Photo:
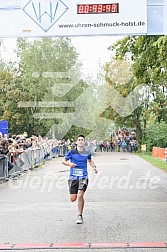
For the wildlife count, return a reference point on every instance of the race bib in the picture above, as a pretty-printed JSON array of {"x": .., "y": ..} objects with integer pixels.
[{"x": 77, "y": 172}]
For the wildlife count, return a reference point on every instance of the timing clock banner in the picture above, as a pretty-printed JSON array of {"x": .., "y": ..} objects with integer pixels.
[{"x": 33, "y": 18}]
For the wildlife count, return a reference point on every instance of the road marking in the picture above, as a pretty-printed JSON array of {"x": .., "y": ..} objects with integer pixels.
[
  {"x": 112, "y": 163},
  {"x": 82, "y": 245}
]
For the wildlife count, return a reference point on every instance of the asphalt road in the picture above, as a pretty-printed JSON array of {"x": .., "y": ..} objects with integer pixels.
[{"x": 125, "y": 202}]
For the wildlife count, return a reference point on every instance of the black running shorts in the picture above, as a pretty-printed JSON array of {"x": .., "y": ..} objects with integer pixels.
[{"x": 75, "y": 185}]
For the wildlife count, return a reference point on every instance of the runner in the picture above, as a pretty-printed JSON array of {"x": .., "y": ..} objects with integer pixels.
[{"x": 78, "y": 179}]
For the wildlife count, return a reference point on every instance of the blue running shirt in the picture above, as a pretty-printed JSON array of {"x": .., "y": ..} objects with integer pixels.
[{"x": 80, "y": 159}]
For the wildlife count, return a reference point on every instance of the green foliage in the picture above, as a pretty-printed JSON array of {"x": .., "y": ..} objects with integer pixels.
[
  {"x": 147, "y": 56},
  {"x": 35, "y": 80},
  {"x": 161, "y": 164},
  {"x": 28, "y": 83},
  {"x": 156, "y": 135}
]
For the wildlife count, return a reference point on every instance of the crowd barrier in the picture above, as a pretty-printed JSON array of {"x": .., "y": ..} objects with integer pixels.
[
  {"x": 27, "y": 160},
  {"x": 3, "y": 168},
  {"x": 62, "y": 150},
  {"x": 158, "y": 153},
  {"x": 14, "y": 165}
]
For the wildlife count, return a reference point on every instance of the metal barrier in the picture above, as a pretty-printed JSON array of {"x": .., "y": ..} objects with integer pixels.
[
  {"x": 25, "y": 159},
  {"x": 16, "y": 164},
  {"x": 49, "y": 153},
  {"x": 3, "y": 168},
  {"x": 62, "y": 150},
  {"x": 41, "y": 156},
  {"x": 37, "y": 157},
  {"x": 28, "y": 159}
]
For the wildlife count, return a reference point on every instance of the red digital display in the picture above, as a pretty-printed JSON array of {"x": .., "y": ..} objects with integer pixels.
[{"x": 97, "y": 8}]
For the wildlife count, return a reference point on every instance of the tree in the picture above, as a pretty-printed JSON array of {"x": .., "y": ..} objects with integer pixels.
[
  {"x": 156, "y": 135},
  {"x": 144, "y": 56},
  {"x": 38, "y": 60}
]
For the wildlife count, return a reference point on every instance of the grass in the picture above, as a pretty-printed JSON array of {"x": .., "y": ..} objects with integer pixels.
[{"x": 161, "y": 164}]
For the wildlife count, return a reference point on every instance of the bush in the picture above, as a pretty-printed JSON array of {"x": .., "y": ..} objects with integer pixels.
[{"x": 156, "y": 135}]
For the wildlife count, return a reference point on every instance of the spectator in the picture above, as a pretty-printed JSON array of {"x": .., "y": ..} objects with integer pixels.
[
  {"x": 119, "y": 143},
  {"x": 124, "y": 146},
  {"x": 3, "y": 153}
]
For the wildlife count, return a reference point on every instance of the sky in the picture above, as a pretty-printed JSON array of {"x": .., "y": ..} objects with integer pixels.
[{"x": 92, "y": 51}]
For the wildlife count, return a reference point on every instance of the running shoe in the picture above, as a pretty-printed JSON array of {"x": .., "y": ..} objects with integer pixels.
[{"x": 79, "y": 220}]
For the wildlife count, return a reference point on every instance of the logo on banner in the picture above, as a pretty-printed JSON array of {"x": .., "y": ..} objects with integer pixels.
[{"x": 45, "y": 13}]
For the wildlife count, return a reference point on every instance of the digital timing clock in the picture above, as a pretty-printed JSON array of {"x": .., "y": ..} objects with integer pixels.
[{"x": 97, "y": 8}]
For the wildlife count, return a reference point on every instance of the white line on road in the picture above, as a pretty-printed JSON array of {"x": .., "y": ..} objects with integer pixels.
[{"x": 112, "y": 164}]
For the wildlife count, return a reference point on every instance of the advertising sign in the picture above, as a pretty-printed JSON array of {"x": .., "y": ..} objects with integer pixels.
[
  {"x": 4, "y": 127},
  {"x": 40, "y": 18}
]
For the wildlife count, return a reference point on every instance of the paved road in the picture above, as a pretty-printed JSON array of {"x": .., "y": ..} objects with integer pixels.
[{"x": 125, "y": 202}]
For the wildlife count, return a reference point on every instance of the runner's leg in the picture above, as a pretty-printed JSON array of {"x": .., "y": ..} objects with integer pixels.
[
  {"x": 73, "y": 189},
  {"x": 73, "y": 197},
  {"x": 80, "y": 202}
]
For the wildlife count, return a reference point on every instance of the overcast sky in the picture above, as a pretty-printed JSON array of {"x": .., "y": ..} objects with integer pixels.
[{"x": 92, "y": 51}]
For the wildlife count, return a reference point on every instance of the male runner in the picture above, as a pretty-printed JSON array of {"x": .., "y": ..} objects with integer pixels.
[{"x": 78, "y": 179}]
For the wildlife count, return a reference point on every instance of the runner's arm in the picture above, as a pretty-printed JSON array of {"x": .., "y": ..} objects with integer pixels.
[
  {"x": 92, "y": 164},
  {"x": 67, "y": 163}
]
